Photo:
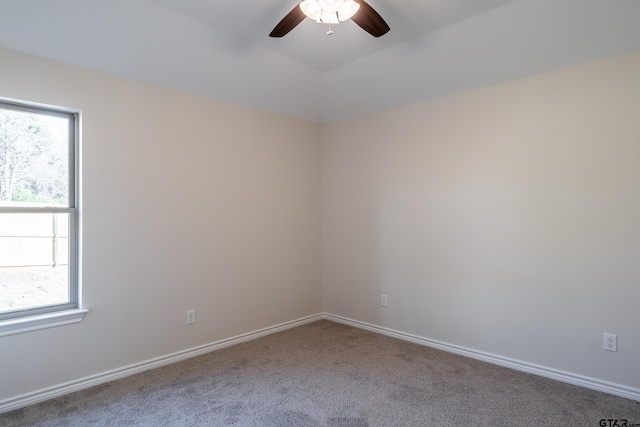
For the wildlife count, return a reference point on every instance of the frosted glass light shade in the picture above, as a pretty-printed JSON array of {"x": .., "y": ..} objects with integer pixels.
[
  {"x": 311, "y": 8},
  {"x": 347, "y": 11}
]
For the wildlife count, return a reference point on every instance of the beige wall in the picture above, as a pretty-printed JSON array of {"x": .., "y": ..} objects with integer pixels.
[
  {"x": 505, "y": 220},
  {"x": 187, "y": 203}
]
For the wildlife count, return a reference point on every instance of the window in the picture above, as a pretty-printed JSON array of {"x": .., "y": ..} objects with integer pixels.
[{"x": 38, "y": 217}]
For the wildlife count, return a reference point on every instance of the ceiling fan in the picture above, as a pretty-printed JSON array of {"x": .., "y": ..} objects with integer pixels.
[{"x": 333, "y": 12}]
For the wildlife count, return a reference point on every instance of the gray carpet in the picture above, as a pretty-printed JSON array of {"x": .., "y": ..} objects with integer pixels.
[{"x": 328, "y": 374}]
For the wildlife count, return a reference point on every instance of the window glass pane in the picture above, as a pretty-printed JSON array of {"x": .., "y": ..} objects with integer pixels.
[
  {"x": 38, "y": 259},
  {"x": 34, "y": 260},
  {"x": 34, "y": 159}
]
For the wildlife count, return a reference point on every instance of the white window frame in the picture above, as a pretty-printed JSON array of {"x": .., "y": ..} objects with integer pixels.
[{"x": 71, "y": 312}]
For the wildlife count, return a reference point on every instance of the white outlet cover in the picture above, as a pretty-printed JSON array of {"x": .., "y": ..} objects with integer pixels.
[
  {"x": 610, "y": 342},
  {"x": 191, "y": 317}
]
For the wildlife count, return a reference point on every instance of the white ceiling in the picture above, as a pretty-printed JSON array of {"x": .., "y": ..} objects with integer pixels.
[
  {"x": 250, "y": 22},
  {"x": 221, "y": 49}
]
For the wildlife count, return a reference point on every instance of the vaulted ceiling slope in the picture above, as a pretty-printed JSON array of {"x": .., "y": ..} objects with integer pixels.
[
  {"x": 251, "y": 21},
  {"x": 221, "y": 48}
]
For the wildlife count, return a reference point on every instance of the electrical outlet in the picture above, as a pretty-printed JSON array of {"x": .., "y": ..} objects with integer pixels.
[
  {"x": 191, "y": 317},
  {"x": 611, "y": 342},
  {"x": 383, "y": 300}
]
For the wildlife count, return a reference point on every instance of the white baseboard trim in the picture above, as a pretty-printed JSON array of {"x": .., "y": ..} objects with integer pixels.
[
  {"x": 93, "y": 380},
  {"x": 566, "y": 377},
  {"x": 83, "y": 383}
]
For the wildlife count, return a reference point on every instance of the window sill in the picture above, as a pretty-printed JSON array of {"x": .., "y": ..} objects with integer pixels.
[{"x": 41, "y": 321}]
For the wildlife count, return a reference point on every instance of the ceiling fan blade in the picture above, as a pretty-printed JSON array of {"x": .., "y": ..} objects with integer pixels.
[
  {"x": 289, "y": 22},
  {"x": 370, "y": 20}
]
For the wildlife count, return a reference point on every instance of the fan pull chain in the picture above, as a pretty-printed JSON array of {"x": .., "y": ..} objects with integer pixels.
[{"x": 330, "y": 32}]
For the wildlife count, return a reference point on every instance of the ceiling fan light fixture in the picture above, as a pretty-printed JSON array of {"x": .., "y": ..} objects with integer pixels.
[
  {"x": 333, "y": 12},
  {"x": 329, "y": 11}
]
